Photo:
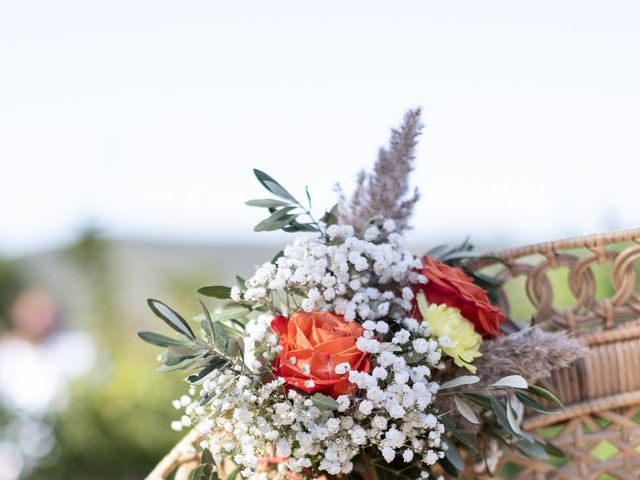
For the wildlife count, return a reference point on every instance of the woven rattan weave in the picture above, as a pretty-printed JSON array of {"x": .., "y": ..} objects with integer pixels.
[{"x": 600, "y": 429}]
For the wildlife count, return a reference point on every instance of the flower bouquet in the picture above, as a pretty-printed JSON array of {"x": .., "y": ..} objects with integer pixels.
[{"x": 346, "y": 355}]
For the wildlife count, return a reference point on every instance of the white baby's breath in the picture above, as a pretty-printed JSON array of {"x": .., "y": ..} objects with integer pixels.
[{"x": 389, "y": 407}]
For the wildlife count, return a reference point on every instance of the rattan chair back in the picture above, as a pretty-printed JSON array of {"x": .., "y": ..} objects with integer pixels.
[{"x": 587, "y": 286}]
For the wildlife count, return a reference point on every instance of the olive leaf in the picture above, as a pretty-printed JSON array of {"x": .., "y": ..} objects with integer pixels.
[
  {"x": 513, "y": 418},
  {"x": 546, "y": 394},
  {"x": 234, "y": 473},
  {"x": 267, "y": 203},
  {"x": 160, "y": 340},
  {"x": 461, "y": 437},
  {"x": 272, "y": 185},
  {"x": 529, "y": 402},
  {"x": 460, "y": 381},
  {"x": 512, "y": 381},
  {"x": 276, "y": 220},
  {"x": 502, "y": 417},
  {"x": 452, "y": 454},
  {"x": 171, "y": 318},
  {"x": 324, "y": 402},
  {"x": 465, "y": 409},
  {"x": 532, "y": 449},
  {"x": 215, "y": 291}
]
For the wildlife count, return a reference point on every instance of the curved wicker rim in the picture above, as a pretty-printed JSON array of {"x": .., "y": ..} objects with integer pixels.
[{"x": 591, "y": 242}]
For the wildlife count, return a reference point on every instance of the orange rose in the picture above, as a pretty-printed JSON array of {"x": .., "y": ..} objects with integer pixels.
[
  {"x": 451, "y": 286},
  {"x": 313, "y": 343}
]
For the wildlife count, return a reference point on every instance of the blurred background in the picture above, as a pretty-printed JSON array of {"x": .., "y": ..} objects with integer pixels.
[{"x": 128, "y": 131}]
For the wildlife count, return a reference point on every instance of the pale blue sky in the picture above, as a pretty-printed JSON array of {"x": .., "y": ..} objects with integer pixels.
[{"x": 146, "y": 117}]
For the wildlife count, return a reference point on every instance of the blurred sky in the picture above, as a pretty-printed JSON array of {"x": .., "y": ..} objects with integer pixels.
[{"x": 146, "y": 117}]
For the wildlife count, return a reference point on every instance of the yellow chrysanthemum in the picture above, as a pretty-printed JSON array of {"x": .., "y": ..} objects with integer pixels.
[{"x": 455, "y": 334}]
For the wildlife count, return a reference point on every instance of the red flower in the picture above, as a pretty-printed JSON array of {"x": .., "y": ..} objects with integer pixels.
[
  {"x": 451, "y": 286},
  {"x": 313, "y": 343}
]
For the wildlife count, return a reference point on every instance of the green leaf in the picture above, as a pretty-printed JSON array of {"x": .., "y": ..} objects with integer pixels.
[
  {"x": 280, "y": 224},
  {"x": 171, "y": 318},
  {"x": 216, "y": 291},
  {"x": 330, "y": 217},
  {"x": 295, "y": 226},
  {"x": 498, "y": 435},
  {"x": 483, "y": 401},
  {"x": 278, "y": 255},
  {"x": 182, "y": 365},
  {"x": 215, "y": 364},
  {"x": 276, "y": 220},
  {"x": 448, "y": 467},
  {"x": 531, "y": 449},
  {"x": 205, "y": 471},
  {"x": 460, "y": 256},
  {"x": 230, "y": 313},
  {"x": 176, "y": 354},
  {"x": 437, "y": 251},
  {"x": 241, "y": 282},
  {"x": 206, "y": 323},
  {"x": 546, "y": 394},
  {"x": 306, "y": 192},
  {"x": 198, "y": 473},
  {"x": 207, "y": 457},
  {"x": 465, "y": 409},
  {"x": 391, "y": 347},
  {"x": 462, "y": 438},
  {"x": 324, "y": 402},
  {"x": 460, "y": 381},
  {"x": 220, "y": 338},
  {"x": 274, "y": 187},
  {"x": 452, "y": 454},
  {"x": 160, "y": 340},
  {"x": 529, "y": 402},
  {"x": 234, "y": 473},
  {"x": 235, "y": 348},
  {"x": 512, "y": 381},
  {"x": 267, "y": 203},
  {"x": 501, "y": 415},
  {"x": 552, "y": 450},
  {"x": 513, "y": 418}
]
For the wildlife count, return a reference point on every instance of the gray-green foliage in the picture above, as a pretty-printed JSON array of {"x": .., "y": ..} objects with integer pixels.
[
  {"x": 219, "y": 345},
  {"x": 503, "y": 425},
  {"x": 286, "y": 212}
]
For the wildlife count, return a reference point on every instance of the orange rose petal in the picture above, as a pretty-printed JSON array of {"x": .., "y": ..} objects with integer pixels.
[
  {"x": 279, "y": 325},
  {"x": 335, "y": 345},
  {"x": 320, "y": 340}
]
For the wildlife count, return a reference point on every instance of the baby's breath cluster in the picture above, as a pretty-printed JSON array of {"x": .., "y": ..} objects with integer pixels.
[
  {"x": 389, "y": 408},
  {"x": 359, "y": 278},
  {"x": 390, "y": 411}
]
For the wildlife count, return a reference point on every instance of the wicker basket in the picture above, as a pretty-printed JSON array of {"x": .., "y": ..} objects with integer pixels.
[{"x": 600, "y": 429}]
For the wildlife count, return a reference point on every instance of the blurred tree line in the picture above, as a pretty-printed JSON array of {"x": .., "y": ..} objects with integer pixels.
[{"x": 115, "y": 424}]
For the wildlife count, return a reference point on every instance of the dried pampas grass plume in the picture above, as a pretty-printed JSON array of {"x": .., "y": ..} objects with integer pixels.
[
  {"x": 385, "y": 191},
  {"x": 531, "y": 353}
]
